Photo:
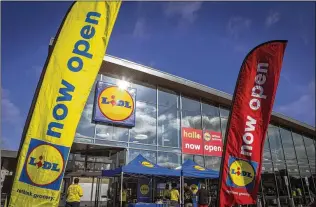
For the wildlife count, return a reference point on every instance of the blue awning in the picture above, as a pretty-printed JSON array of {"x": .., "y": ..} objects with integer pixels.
[
  {"x": 142, "y": 166},
  {"x": 191, "y": 169}
]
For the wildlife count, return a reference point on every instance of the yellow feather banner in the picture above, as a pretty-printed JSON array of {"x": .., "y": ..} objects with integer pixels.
[{"x": 66, "y": 81}]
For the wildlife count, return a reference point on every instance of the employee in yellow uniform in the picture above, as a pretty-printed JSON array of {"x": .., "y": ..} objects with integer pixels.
[
  {"x": 174, "y": 195},
  {"x": 124, "y": 196},
  {"x": 74, "y": 193}
]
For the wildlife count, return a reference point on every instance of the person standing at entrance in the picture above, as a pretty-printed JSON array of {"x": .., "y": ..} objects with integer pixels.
[
  {"x": 74, "y": 193},
  {"x": 203, "y": 196},
  {"x": 188, "y": 195},
  {"x": 174, "y": 194}
]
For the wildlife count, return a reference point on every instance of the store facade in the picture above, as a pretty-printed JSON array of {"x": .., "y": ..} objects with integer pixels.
[{"x": 176, "y": 119}]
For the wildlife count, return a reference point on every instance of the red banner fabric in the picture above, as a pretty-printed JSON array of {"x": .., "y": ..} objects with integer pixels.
[
  {"x": 248, "y": 122},
  {"x": 198, "y": 142}
]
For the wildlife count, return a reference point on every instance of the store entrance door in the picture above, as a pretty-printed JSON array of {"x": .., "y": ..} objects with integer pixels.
[{"x": 95, "y": 189}]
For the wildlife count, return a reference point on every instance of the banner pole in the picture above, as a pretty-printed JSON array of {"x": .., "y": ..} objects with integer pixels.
[
  {"x": 35, "y": 96},
  {"x": 121, "y": 190}
]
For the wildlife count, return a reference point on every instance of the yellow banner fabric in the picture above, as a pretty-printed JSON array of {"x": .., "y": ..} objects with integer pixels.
[{"x": 69, "y": 75}]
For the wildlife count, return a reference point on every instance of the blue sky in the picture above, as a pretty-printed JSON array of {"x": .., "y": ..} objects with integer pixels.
[{"x": 204, "y": 42}]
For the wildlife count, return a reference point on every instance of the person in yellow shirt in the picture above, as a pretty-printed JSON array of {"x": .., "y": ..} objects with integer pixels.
[
  {"x": 124, "y": 195},
  {"x": 74, "y": 193},
  {"x": 166, "y": 193},
  {"x": 174, "y": 195}
]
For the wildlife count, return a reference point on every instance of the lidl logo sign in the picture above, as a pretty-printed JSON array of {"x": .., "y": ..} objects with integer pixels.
[
  {"x": 207, "y": 136},
  {"x": 44, "y": 165},
  {"x": 199, "y": 168},
  {"x": 144, "y": 189},
  {"x": 114, "y": 105},
  {"x": 241, "y": 173},
  {"x": 147, "y": 164}
]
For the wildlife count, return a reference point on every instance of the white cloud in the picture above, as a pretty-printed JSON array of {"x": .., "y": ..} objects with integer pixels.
[
  {"x": 12, "y": 120},
  {"x": 302, "y": 108},
  {"x": 10, "y": 112},
  {"x": 272, "y": 18},
  {"x": 140, "y": 28},
  {"x": 237, "y": 26},
  {"x": 187, "y": 11}
]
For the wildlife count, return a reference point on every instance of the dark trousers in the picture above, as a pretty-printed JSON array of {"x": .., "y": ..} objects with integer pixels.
[{"x": 73, "y": 204}]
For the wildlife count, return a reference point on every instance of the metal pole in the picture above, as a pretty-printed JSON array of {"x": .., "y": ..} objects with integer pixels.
[
  {"x": 180, "y": 199},
  {"x": 121, "y": 190},
  {"x": 182, "y": 190}
]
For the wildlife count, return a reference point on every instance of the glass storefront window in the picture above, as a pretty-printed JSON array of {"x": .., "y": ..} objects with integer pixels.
[
  {"x": 275, "y": 144},
  {"x": 299, "y": 146},
  {"x": 145, "y": 127},
  {"x": 168, "y": 98},
  {"x": 145, "y": 93},
  {"x": 112, "y": 133},
  {"x": 213, "y": 163},
  {"x": 104, "y": 132},
  {"x": 189, "y": 104},
  {"x": 211, "y": 123},
  {"x": 287, "y": 144},
  {"x": 109, "y": 79},
  {"x": 310, "y": 148},
  {"x": 223, "y": 125},
  {"x": 210, "y": 110},
  {"x": 168, "y": 127},
  {"x": 196, "y": 158},
  {"x": 224, "y": 112},
  {"x": 292, "y": 166},
  {"x": 266, "y": 152},
  {"x": 169, "y": 159},
  {"x": 210, "y": 117},
  {"x": 150, "y": 155},
  {"x": 187, "y": 157},
  {"x": 85, "y": 127},
  {"x": 191, "y": 119}
]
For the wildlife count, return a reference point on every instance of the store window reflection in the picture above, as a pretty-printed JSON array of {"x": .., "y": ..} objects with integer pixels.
[
  {"x": 169, "y": 159},
  {"x": 168, "y": 127},
  {"x": 310, "y": 148},
  {"x": 108, "y": 79},
  {"x": 112, "y": 133},
  {"x": 149, "y": 155},
  {"x": 213, "y": 163},
  {"x": 196, "y": 158},
  {"x": 287, "y": 144},
  {"x": 210, "y": 117},
  {"x": 191, "y": 113},
  {"x": 275, "y": 144},
  {"x": 299, "y": 147},
  {"x": 145, "y": 93},
  {"x": 223, "y": 126},
  {"x": 168, "y": 98},
  {"x": 266, "y": 151},
  {"x": 224, "y": 112},
  {"x": 86, "y": 127},
  {"x": 145, "y": 127}
]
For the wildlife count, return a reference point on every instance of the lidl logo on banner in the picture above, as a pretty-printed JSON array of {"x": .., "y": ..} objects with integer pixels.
[
  {"x": 147, "y": 164},
  {"x": 242, "y": 173},
  {"x": 144, "y": 189},
  {"x": 115, "y": 105},
  {"x": 199, "y": 168},
  {"x": 44, "y": 164},
  {"x": 207, "y": 136}
]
